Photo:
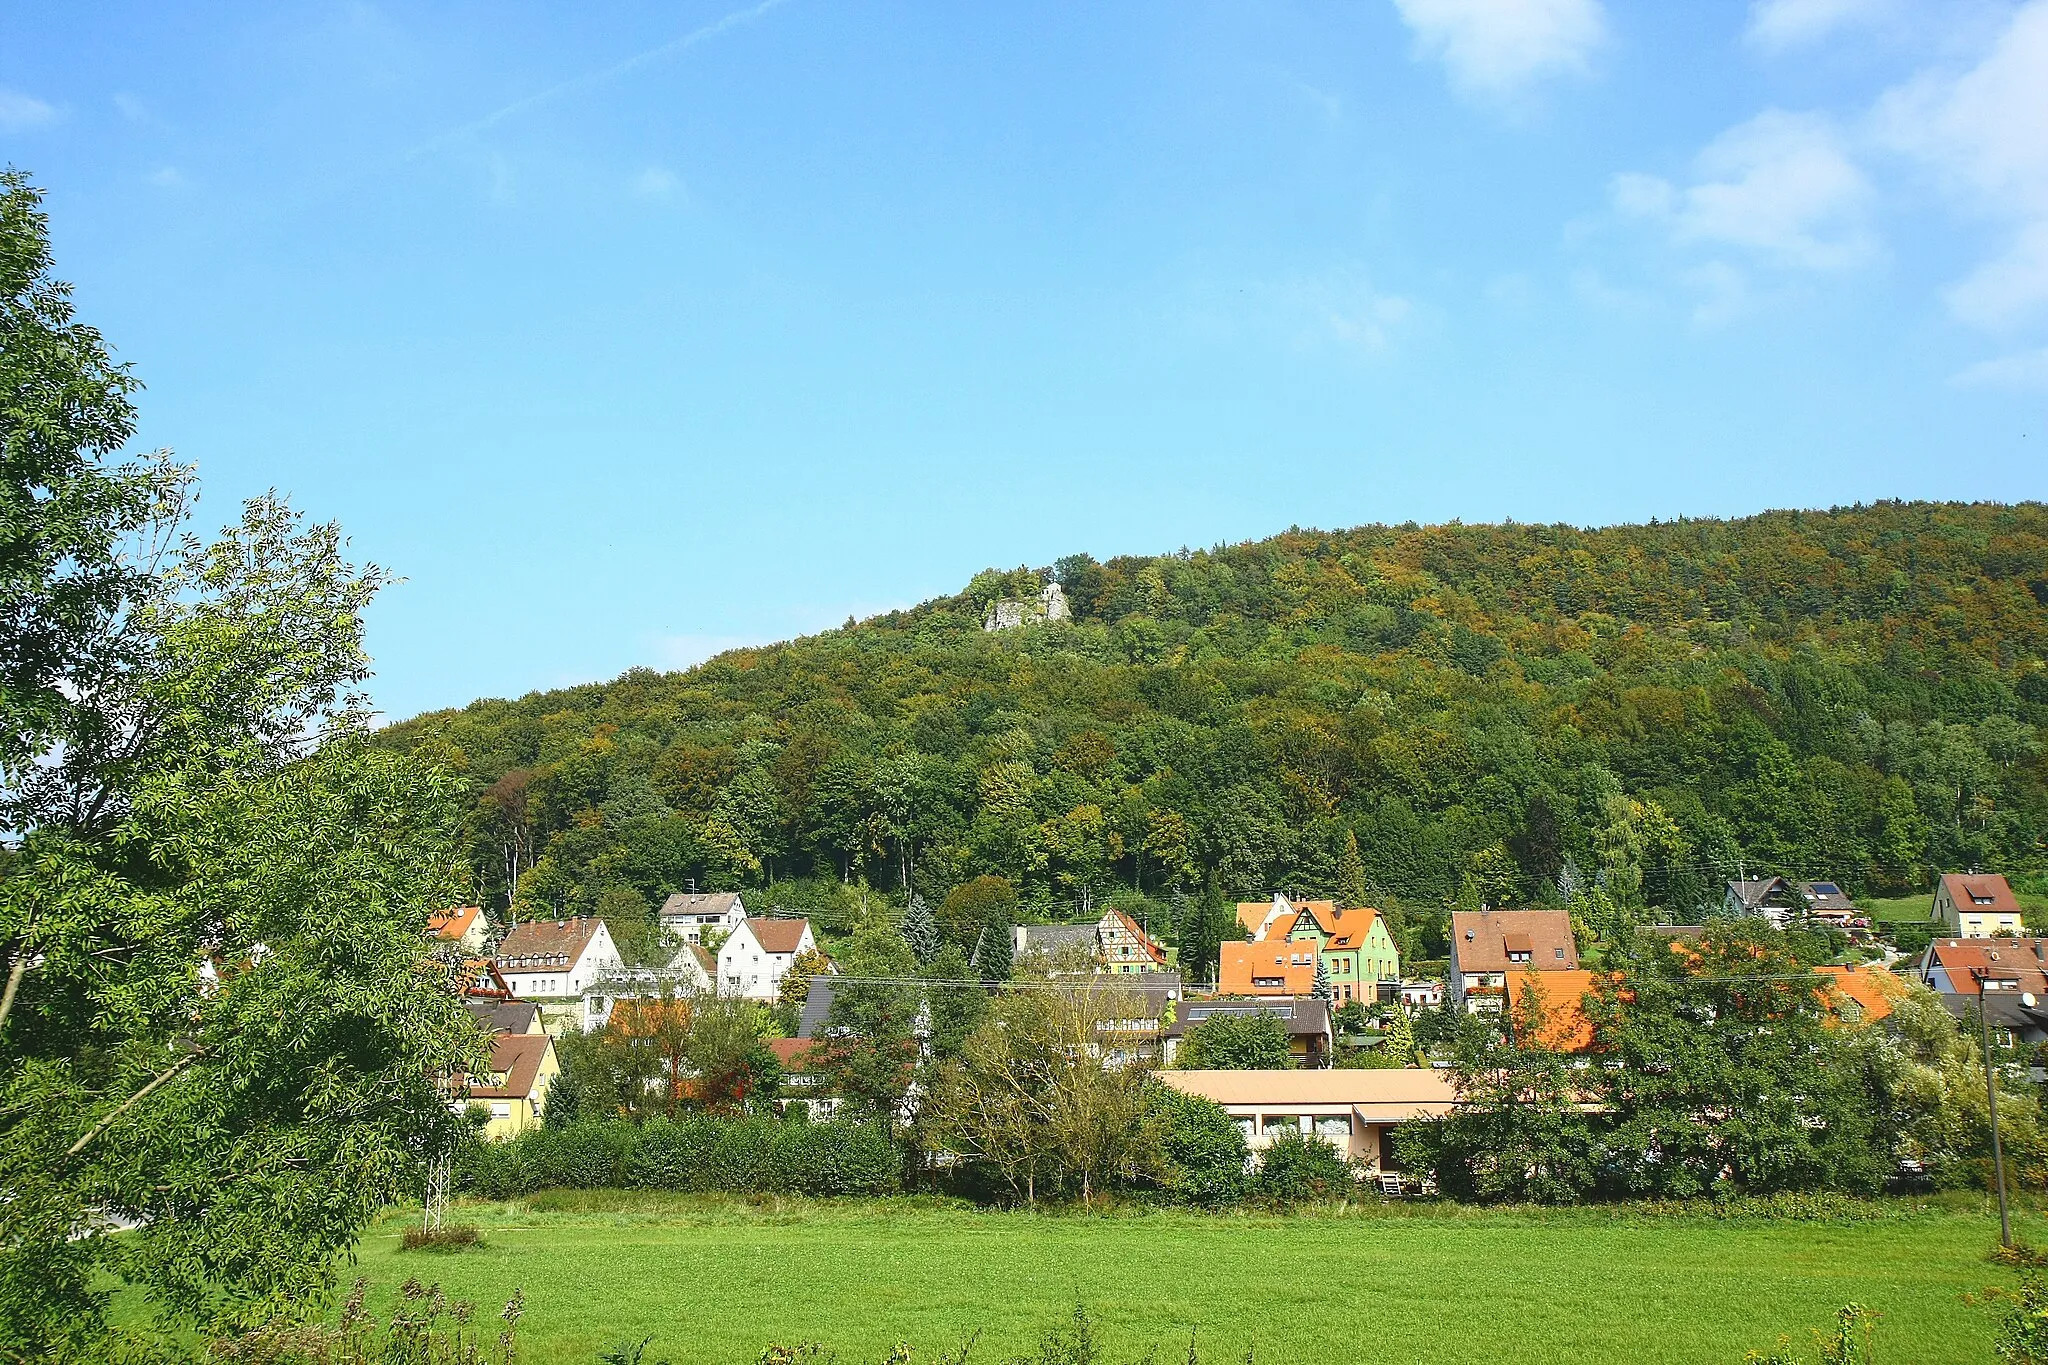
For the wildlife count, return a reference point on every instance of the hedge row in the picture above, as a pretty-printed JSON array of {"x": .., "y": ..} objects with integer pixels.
[{"x": 736, "y": 1156}]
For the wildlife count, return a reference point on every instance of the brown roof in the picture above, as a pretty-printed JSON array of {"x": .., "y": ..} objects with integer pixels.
[
  {"x": 2020, "y": 960},
  {"x": 1984, "y": 893},
  {"x": 453, "y": 924},
  {"x": 1242, "y": 965},
  {"x": 547, "y": 942},
  {"x": 516, "y": 1057},
  {"x": 506, "y": 1016},
  {"x": 1479, "y": 940},
  {"x": 778, "y": 935}
]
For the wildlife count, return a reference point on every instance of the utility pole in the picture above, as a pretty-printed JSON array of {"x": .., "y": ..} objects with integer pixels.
[{"x": 1991, "y": 1094}]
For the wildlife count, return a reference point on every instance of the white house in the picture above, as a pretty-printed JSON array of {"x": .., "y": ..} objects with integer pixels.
[
  {"x": 693, "y": 914},
  {"x": 690, "y": 972},
  {"x": 558, "y": 957},
  {"x": 754, "y": 960}
]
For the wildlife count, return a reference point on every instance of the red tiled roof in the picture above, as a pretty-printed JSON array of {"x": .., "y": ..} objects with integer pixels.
[
  {"x": 795, "y": 1054},
  {"x": 1965, "y": 889},
  {"x": 2020, "y": 960},
  {"x": 1873, "y": 988},
  {"x": 778, "y": 935}
]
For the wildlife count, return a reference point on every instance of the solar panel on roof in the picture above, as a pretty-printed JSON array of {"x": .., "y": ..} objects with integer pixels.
[{"x": 1827, "y": 888}]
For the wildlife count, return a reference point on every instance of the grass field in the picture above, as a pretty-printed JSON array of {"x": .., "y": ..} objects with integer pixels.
[{"x": 718, "y": 1280}]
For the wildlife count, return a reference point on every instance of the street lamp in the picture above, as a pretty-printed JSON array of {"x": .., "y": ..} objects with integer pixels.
[{"x": 1991, "y": 1093}]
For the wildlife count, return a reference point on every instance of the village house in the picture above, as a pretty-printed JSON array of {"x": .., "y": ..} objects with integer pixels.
[
  {"x": 1976, "y": 905},
  {"x": 803, "y": 1081},
  {"x": 465, "y": 927},
  {"x": 691, "y": 914},
  {"x": 1053, "y": 940},
  {"x": 1830, "y": 905},
  {"x": 1308, "y": 1021},
  {"x": 1488, "y": 946},
  {"x": 1126, "y": 948},
  {"x": 556, "y": 958},
  {"x": 1771, "y": 898},
  {"x": 1355, "y": 949},
  {"x": 1355, "y": 1111},
  {"x": 691, "y": 971},
  {"x": 753, "y": 961},
  {"x": 514, "y": 1093},
  {"x": 2007, "y": 977}
]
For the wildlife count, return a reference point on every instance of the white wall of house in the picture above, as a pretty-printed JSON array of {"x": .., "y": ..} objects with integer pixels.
[
  {"x": 600, "y": 955},
  {"x": 692, "y": 928},
  {"x": 748, "y": 970}
]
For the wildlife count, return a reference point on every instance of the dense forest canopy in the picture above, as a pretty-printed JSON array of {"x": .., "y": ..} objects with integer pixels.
[{"x": 1409, "y": 716}]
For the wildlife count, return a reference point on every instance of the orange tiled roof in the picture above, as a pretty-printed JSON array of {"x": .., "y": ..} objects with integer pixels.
[
  {"x": 453, "y": 924},
  {"x": 1562, "y": 995},
  {"x": 1875, "y": 989},
  {"x": 1243, "y": 965},
  {"x": 1351, "y": 927}
]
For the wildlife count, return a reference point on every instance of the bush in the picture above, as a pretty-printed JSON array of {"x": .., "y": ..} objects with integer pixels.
[
  {"x": 754, "y": 1155},
  {"x": 1297, "y": 1169},
  {"x": 449, "y": 1237},
  {"x": 1206, "y": 1156}
]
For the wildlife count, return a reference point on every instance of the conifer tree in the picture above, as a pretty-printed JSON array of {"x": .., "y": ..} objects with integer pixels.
[
  {"x": 1351, "y": 871},
  {"x": 921, "y": 930},
  {"x": 1321, "y": 990}
]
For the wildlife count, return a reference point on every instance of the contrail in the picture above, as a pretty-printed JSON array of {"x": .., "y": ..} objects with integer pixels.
[{"x": 584, "y": 82}]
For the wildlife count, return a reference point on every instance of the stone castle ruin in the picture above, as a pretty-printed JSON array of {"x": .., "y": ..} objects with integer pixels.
[{"x": 1008, "y": 613}]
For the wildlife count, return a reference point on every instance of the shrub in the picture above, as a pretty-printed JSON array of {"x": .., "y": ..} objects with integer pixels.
[
  {"x": 1296, "y": 1169},
  {"x": 448, "y": 1237},
  {"x": 1206, "y": 1156}
]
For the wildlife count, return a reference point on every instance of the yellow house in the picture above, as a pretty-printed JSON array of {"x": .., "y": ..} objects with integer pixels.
[{"x": 523, "y": 1066}]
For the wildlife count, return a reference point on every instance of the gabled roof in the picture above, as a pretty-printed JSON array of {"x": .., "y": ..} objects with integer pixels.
[
  {"x": 1130, "y": 926},
  {"x": 1562, "y": 996},
  {"x": 2023, "y": 961},
  {"x": 704, "y": 903},
  {"x": 1875, "y": 991},
  {"x": 1981, "y": 893},
  {"x": 516, "y": 1057},
  {"x": 1758, "y": 891},
  {"x": 1242, "y": 965},
  {"x": 1051, "y": 938},
  {"x": 817, "y": 1009},
  {"x": 1826, "y": 898},
  {"x": 795, "y": 1054},
  {"x": 1479, "y": 940},
  {"x": 453, "y": 924},
  {"x": 778, "y": 935},
  {"x": 505, "y": 1016},
  {"x": 1350, "y": 928},
  {"x": 541, "y": 944}
]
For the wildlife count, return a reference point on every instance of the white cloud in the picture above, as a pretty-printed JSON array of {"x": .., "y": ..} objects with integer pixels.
[
  {"x": 19, "y": 111},
  {"x": 2024, "y": 370},
  {"x": 1985, "y": 132},
  {"x": 655, "y": 182},
  {"x": 1498, "y": 48},
  {"x": 1780, "y": 186},
  {"x": 1777, "y": 25},
  {"x": 131, "y": 108},
  {"x": 165, "y": 177},
  {"x": 1340, "y": 307}
]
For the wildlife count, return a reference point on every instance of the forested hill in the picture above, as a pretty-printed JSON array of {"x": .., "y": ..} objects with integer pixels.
[{"x": 1508, "y": 713}]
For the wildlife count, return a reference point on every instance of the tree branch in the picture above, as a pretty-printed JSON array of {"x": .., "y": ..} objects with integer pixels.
[
  {"x": 125, "y": 1105},
  {"x": 14, "y": 975}
]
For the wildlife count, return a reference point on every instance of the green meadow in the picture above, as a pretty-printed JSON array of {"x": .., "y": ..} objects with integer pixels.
[{"x": 719, "y": 1280}]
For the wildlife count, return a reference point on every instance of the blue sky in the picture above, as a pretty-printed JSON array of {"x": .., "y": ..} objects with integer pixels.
[{"x": 630, "y": 332}]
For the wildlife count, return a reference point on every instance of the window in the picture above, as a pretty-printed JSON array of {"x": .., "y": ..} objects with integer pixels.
[
  {"x": 1334, "y": 1126},
  {"x": 501, "y": 1109}
]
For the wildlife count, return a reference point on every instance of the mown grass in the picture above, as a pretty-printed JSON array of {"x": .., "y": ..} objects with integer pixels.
[{"x": 717, "y": 1279}]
